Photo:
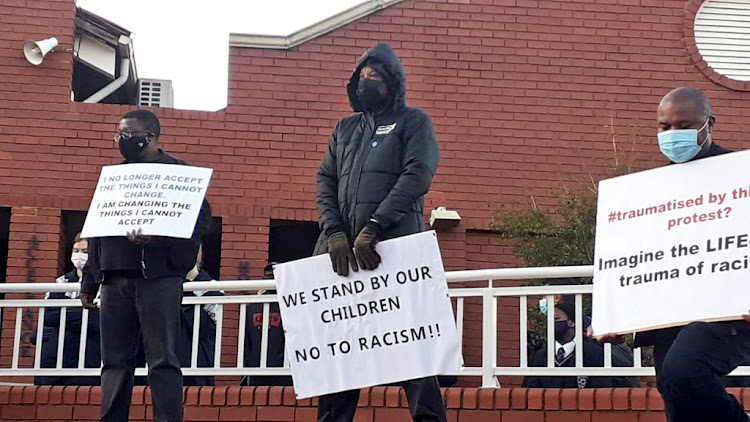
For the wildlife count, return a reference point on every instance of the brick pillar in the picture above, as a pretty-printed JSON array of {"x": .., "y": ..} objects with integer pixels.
[{"x": 32, "y": 257}]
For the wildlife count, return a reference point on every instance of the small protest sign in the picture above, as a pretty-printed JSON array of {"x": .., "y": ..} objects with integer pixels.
[
  {"x": 159, "y": 199},
  {"x": 672, "y": 246},
  {"x": 391, "y": 324}
]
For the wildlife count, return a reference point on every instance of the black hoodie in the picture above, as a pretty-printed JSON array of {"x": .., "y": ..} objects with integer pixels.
[{"x": 377, "y": 165}]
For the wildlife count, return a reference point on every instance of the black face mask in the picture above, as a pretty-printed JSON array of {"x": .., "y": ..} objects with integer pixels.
[
  {"x": 561, "y": 330},
  {"x": 371, "y": 94},
  {"x": 132, "y": 147}
]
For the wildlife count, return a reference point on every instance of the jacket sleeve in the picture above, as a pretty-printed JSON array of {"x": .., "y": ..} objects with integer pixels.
[
  {"x": 327, "y": 192},
  {"x": 420, "y": 161},
  {"x": 91, "y": 270}
]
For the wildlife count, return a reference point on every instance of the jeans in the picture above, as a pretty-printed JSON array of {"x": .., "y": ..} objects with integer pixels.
[{"x": 151, "y": 307}]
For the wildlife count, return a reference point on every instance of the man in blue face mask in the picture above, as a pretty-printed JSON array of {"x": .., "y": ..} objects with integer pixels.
[
  {"x": 685, "y": 124},
  {"x": 691, "y": 360}
]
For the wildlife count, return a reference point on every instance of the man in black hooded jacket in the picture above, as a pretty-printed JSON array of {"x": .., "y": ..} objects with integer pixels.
[{"x": 371, "y": 185}]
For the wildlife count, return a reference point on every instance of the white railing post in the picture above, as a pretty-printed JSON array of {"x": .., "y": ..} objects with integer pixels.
[
  {"x": 82, "y": 339},
  {"x": 197, "y": 309},
  {"x": 39, "y": 339},
  {"x": 219, "y": 335},
  {"x": 551, "y": 331},
  {"x": 61, "y": 337},
  {"x": 264, "y": 336},
  {"x": 460, "y": 322},
  {"x": 489, "y": 339},
  {"x": 523, "y": 317},
  {"x": 241, "y": 336},
  {"x": 579, "y": 331},
  {"x": 17, "y": 338}
]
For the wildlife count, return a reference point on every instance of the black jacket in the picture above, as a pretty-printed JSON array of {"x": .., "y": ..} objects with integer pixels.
[
  {"x": 667, "y": 335},
  {"x": 276, "y": 342},
  {"x": 254, "y": 336},
  {"x": 161, "y": 257},
  {"x": 378, "y": 166}
]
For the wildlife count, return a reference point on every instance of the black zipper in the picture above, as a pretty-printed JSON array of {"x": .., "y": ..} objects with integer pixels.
[
  {"x": 143, "y": 261},
  {"x": 359, "y": 173}
]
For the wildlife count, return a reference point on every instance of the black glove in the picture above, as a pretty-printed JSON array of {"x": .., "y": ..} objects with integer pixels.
[
  {"x": 364, "y": 246},
  {"x": 87, "y": 301},
  {"x": 341, "y": 254}
]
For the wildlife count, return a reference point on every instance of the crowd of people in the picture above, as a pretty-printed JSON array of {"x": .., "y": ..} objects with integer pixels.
[{"x": 371, "y": 183}]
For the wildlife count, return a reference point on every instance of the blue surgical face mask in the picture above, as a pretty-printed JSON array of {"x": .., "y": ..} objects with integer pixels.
[
  {"x": 543, "y": 305},
  {"x": 681, "y": 145}
]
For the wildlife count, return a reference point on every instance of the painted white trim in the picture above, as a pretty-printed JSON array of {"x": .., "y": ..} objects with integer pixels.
[
  {"x": 722, "y": 29},
  {"x": 280, "y": 42}
]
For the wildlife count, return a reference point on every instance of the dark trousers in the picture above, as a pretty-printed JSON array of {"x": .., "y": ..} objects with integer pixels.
[
  {"x": 689, "y": 371},
  {"x": 423, "y": 394},
  {"x": 151, "y": 307}
]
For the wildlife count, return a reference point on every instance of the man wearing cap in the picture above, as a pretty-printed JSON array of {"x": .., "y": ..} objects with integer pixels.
[{"x": 371, "y": 185}]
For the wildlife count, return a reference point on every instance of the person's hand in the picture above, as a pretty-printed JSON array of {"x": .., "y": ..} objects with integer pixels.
[
  {"x": 87, "y": 301},
  {"x": 138, "y": 237},
  {"x": 605, "y": 338},
  {"x": 340, "y": 252},
  {"x": 364, "y": 247}
]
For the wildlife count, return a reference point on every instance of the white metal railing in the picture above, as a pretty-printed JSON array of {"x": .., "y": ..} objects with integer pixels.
[{"x": 488, "y": 295}]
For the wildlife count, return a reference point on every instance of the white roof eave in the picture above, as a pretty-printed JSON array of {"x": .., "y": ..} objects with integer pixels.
[{"x": 337, "y": 21}]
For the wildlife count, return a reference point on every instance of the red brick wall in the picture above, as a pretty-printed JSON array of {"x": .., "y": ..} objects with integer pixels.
[
  {"x": 264, "y": 404},
  {"x": 525, "y": 96}
]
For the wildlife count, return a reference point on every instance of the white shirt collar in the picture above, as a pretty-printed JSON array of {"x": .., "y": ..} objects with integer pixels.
[{"x": 568, "y": 347}]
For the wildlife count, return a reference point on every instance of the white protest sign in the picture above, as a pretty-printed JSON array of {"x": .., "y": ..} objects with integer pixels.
[
  {"x": 394, "y": 323},
  {"x": 160, "y": 199},
  {"x": 672, "y": 246}
]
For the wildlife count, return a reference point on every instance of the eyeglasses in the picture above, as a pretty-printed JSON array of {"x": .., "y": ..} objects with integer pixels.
[{"x": 127, "y": 135}]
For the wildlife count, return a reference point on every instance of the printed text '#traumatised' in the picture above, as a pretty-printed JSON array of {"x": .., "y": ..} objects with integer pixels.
[{"x": 723, "y": 212}]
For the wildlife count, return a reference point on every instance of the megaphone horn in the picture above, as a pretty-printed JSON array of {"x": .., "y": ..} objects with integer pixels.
[{"x": 36, "y": 50}]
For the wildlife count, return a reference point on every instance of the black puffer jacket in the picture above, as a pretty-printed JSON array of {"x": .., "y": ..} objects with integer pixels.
[{"x": 377, "y": 166}]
